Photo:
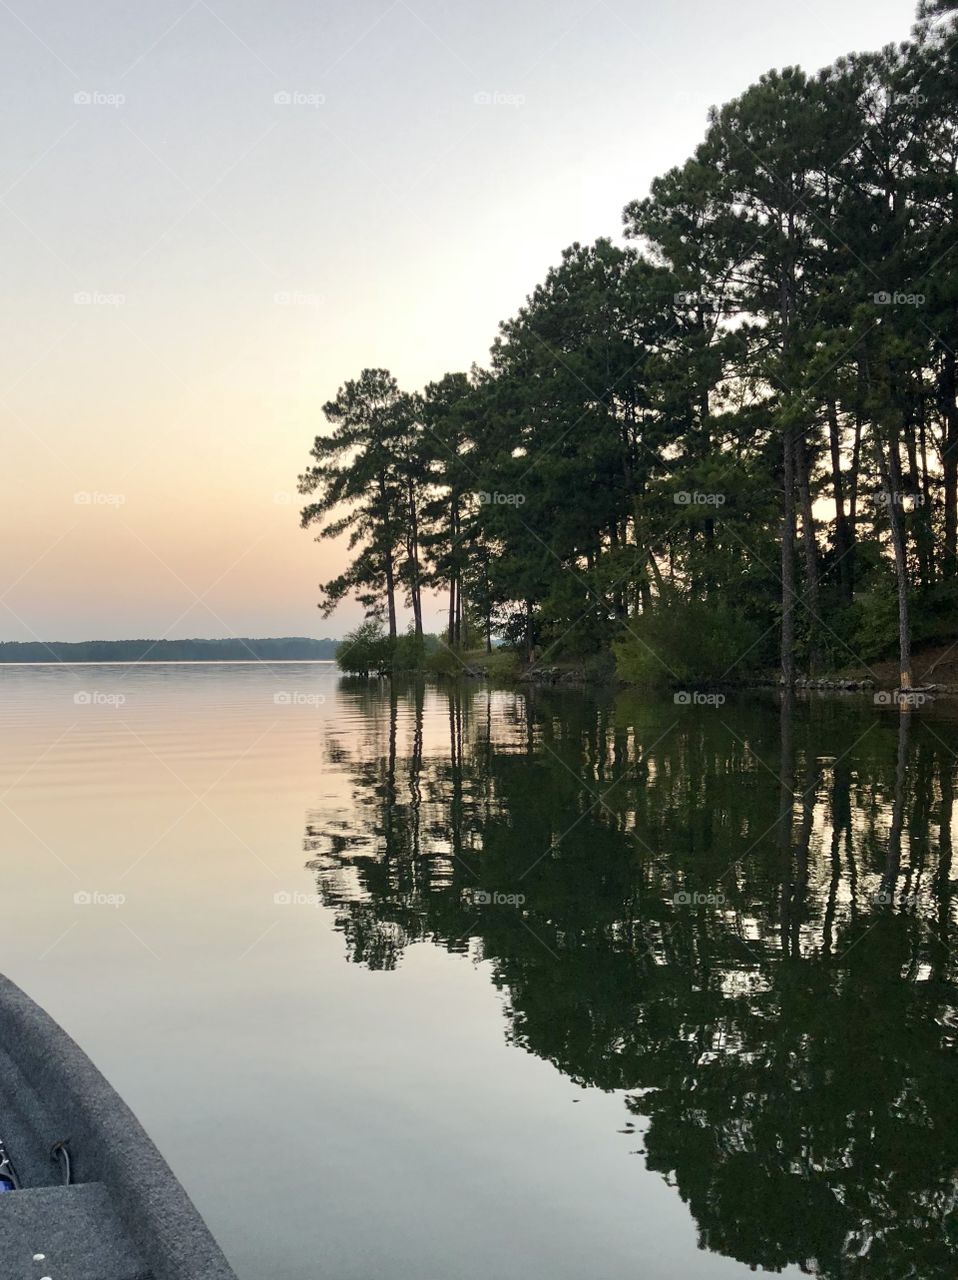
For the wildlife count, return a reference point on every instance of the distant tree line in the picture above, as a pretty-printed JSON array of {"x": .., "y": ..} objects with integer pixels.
[
  {"x": 733, "y": 440},
  {"x": 289, "y": 648}
]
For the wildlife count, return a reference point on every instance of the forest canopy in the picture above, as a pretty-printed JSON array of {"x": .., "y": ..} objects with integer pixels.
[{"x": 733, "y": 437}]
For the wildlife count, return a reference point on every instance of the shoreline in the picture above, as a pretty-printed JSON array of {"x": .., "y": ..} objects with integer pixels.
[{"x": 572, "y": 676}]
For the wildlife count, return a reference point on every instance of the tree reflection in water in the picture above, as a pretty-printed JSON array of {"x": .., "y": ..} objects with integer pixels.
[{"x": 742, "y": 916}]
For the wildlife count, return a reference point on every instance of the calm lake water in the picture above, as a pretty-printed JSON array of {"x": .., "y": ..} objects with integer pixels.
[{"x": 457, "y": 983}]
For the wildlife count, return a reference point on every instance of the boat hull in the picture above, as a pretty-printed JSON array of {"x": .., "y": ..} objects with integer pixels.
[{"x": 125, "y": 1209}]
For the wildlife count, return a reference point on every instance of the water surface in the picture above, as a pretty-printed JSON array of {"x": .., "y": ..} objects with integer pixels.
[{"x": 445, "y": 982}]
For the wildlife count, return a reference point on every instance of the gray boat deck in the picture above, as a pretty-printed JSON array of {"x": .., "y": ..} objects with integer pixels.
[
  {"x": 126, "y": 1217},
  {"x": 67, "y": 1233}
]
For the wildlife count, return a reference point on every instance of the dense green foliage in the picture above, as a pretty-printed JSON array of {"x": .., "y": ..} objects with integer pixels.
[
  {"x": 734, "y": 437},
  {"x": 369, "y": 650},
  {"x": 233, "y": 649}
]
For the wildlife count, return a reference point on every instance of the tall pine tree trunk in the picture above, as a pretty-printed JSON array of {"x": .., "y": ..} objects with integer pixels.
[
  {"x": 786, "y": 312},
  {"x": 843, "y": 539},
  {"x": 810, "y": 549},
  {"x": 928, "y": 508},
  {"x": 920, "y": 525},
  {"x": 854, "y": 479},
  {"x": 415, "y": 574},
  {"x": 390, "y": 592},
  {"x": 389, "y": 565},
  {"x": 453, "y": 566},
  {"x": 487, "y": 603},
  {"x": 889, "y": 468},
  {"x": 788, "y": 557},
  {"x": 949, "y": 461}
]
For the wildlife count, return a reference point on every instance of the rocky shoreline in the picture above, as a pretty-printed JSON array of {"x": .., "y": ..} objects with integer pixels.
[{"x": 572, "y": 676}]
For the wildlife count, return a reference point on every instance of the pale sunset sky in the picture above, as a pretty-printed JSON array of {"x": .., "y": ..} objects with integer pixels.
[{"x": 215, "y": 212}]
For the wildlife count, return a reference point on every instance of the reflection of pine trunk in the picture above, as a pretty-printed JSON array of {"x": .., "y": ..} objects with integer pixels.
[
  {"x": 415, "y": 767},
  {"x": 389, "y": 807},
  {"x": 530, "y": 725},
  {"x": 800, "y": 890},
  {"x": 455, "y": 767},
  {"x": 786, "y": 807},
  {"x": 841, "y": 816},
  {"x": 943, "y": 874},
  {"x": 893, "y": 857},
  {"x": 924, "y": 782}
]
